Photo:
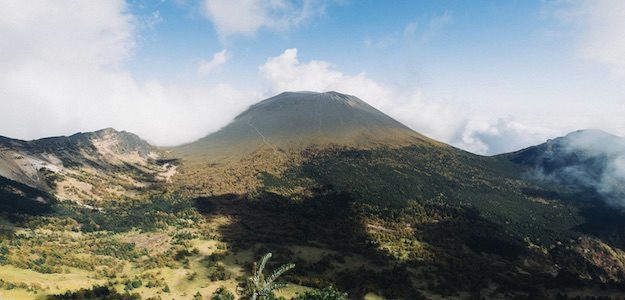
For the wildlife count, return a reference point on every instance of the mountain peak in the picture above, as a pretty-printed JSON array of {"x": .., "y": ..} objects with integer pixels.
[
  {"x": 297, "y": 120},
  {"x": 306, "y": 98},
  {"x": 108, "y": 130},
  {"x": 591, "y": 135}
]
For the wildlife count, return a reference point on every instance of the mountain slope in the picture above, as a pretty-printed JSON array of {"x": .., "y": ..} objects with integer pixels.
[
  {"x": 85, "y": 166},
  {"x": 270, "y": 136}
]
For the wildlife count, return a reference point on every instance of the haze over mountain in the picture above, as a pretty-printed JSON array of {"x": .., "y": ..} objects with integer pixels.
[{"x": 585, "y": 160}]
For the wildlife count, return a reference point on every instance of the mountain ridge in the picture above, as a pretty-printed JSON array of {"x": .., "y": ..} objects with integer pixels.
[{"x": 84, "y": 165}]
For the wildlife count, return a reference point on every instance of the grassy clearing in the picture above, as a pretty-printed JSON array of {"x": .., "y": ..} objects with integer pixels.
[{"x": 47, "y": 283}]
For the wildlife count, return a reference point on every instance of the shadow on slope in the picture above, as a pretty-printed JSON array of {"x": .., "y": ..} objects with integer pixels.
[
  {"x": 327, "y": 220},
  {"x": 429, "y": 221},
  {"x": 597, "y": 218},
  {"x": 458, "y": 254},
  {"x": 18, "y": 201}
]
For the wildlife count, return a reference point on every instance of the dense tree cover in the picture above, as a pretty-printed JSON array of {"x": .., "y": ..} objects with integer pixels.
[{"x": 149, "y": 215}]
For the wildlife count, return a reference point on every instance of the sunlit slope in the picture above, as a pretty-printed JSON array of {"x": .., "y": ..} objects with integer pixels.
[{"x": 101, "y": 165}]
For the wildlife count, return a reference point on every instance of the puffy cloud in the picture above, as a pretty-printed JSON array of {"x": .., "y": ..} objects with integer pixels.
[
  {"x": 246, "y": 17},
  {"x": 598, "y": 27},
  {"x": 63, "y": 70},
  {"x": 285, "y": 72},
  {"x": 218, "y": 59}
]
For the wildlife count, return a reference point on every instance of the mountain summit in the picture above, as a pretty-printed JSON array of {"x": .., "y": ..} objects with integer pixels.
[{"x": 297, "y": 120}]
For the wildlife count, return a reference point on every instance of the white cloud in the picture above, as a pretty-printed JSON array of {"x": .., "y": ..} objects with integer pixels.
[
  {"x": 218, "y": 59},
  {"x": 63, "y": 70},
  {"x": 599, "y": 163},
  {"x": 285, "y": 72},
  {"x": 246, "y": 17},
  {"x": 598, "y": 27},
  {"x": 500, "y": 135}
]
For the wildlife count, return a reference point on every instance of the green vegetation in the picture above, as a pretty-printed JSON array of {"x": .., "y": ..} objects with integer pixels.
[
  {"x": 397, "y": 223},
  {"x": 222, "y": 294},
  {"x": 327, "y": 293},
  {"x": 96, "y": 292}
]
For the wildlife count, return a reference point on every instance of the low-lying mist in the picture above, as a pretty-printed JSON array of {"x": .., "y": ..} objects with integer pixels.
[{"x": 587, "y": 159}]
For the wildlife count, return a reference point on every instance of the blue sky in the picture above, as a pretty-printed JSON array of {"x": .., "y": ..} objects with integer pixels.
[{"x": 486, "y": 76}]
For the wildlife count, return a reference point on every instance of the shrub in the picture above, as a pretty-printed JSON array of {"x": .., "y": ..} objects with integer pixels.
[
  {"x": 222, "y": 294},
  {"x": 327, "y": 293}
]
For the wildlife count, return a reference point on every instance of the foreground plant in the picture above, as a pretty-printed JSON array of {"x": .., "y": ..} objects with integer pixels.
[{"x": 260, "y": 287}]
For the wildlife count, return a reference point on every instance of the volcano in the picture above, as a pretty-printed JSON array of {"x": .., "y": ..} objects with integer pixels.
[{"x": 297, "y": 120}]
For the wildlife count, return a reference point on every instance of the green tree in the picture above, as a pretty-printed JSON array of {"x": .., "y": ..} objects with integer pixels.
[{"x": 260, "y": 287}]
